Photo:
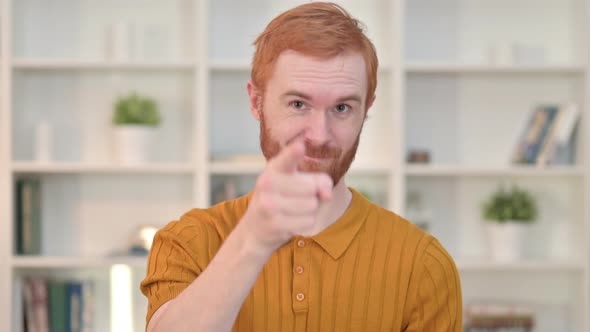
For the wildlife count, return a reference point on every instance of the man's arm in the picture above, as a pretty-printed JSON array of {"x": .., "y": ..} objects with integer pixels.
[
  {"x": 435, "y": 293},
  {"x": 213, "y": 300},
  {"x": 284, "y": 204}
]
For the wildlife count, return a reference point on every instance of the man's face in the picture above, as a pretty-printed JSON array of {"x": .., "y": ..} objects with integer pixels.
[{"x": 322, "y": 100}]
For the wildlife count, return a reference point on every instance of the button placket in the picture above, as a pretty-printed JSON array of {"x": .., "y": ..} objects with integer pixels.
[{"x": 300, "y": 277}]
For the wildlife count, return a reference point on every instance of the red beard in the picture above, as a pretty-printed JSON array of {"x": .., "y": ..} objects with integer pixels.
[{"x": 339, "y": 162}]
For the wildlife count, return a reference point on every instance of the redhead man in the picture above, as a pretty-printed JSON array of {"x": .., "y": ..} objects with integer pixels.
[{"x": 302, "y": 251}]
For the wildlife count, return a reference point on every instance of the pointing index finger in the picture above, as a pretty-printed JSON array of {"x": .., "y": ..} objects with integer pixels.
[{"x": 290, "y": 156}]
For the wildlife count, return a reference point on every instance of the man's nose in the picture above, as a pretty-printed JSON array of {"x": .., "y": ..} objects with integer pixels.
[{"x": 318, "y": 128}]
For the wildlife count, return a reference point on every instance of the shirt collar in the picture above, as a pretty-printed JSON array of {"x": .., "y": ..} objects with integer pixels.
[{"x": 337, "y": 237}]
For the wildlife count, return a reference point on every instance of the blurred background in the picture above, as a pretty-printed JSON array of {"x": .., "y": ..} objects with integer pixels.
[{"x": 116, "y": 117}]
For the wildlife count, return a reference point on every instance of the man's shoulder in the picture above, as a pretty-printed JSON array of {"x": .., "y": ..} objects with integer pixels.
[
  {"x": 401, "y": 228},
  {"x": 416, "y": 242},
  {"x": 219, "y": 219}
]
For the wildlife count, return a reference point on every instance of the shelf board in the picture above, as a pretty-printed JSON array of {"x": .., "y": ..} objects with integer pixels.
[
  {"x": 451, "y": 170},
  {"x": 59, "y": 64},
  {"x": 236, "y": 168},
  {"x": 75, "y": 167},
  {"x": 56, "y": 262},
  {"x": 254, "y": 168},
  {"x": 243, "y": 66},
  {"x": 450, "y": 68},
  {"x": 375, "y": 169},
  {"x": 524, "y": 266},
  {"x": 229, "y": 65}
]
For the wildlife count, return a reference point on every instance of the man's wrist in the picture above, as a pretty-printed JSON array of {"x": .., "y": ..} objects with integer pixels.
[{"x": 250, "y": 246}]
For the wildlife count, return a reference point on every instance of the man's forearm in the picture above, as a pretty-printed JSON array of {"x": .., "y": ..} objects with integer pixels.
[{"x": 213, "y": 301}]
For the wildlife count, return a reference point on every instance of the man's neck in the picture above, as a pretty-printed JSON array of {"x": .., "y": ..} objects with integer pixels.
[{"x": 333, "y": 209}]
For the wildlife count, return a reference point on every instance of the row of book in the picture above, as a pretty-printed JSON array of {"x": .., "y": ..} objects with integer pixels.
[
  {"x": 28, "y": 216},
  {"x": 57, "y": 305},
  {"x": 498, "y": 317},
  {"x": 548, "y": 137}
]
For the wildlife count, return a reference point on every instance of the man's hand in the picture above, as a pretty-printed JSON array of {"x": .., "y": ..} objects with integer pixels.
[{"x": 285, "y": 201}]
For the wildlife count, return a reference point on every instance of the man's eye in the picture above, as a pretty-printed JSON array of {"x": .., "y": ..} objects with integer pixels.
[
  {"x": 342, "y": 108},
  {"x": 297, "y": 104}
]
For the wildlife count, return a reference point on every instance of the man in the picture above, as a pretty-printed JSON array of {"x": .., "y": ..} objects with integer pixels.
[{"x": 302, "y": 252}]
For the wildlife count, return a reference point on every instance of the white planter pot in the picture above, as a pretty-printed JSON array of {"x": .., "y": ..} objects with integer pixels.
[
  {"x": 505, "y": 240},
  {"x": 132, "y": 144}
]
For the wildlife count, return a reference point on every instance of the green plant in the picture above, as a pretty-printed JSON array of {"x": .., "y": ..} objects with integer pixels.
[
  {"x": 134, "y": 109},
  {"x": 514, "y": 205}
]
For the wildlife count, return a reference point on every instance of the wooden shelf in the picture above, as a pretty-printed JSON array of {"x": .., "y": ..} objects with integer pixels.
[{"x": 73, "y": 167}]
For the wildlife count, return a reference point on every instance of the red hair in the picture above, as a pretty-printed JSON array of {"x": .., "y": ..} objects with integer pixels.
[{"x": 319, "y": 29}]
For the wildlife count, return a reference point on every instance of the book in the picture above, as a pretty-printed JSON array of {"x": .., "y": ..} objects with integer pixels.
[
  {"x": 74, "y": 306},
  {"x": 87, "y": 306},
  {"x": 535, "y": 133},
  {"x": 67, "y": 305},
  {"x": 35, "y": 305},
  {"x": 559, "y": 147},
  {"x": 57, "y": 305},
  {"x": 28, "y": 216}
]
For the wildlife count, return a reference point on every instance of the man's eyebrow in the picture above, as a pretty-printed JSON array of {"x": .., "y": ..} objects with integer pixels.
[
  {"x": 295, "y": 93},
  {"x": 351, "y": 97}
]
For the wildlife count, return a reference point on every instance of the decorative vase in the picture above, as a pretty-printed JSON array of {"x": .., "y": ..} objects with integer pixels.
[
  {"x": 132, "y": 144},
  {"x": 505, "y": 240}
]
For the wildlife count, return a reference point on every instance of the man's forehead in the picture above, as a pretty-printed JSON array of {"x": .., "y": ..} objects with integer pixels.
[
  {"x": 290, "y": 60},
  {"x": 295, "y": 71}
]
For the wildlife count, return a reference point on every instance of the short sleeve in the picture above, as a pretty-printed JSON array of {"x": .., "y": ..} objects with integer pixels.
[
  {"x": 435, "y": 293},
  {"x": 176, "y": 259}
]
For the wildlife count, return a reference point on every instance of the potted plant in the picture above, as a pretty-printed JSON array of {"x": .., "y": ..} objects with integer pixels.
[
  {"x": 507, "y": 213},
  {"x": 134, "y": 118}
]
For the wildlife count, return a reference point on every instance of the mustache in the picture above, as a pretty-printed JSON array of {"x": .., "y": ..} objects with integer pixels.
[
  {"x": 316, "y": 151},
  {"x": 321, "y": 151}
]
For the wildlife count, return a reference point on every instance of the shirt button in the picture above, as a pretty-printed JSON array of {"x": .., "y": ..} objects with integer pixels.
[
  {"x": 301, "y": 243},
  {"x": 300, "y": 297},
  {"x": 299, "y": 270}
]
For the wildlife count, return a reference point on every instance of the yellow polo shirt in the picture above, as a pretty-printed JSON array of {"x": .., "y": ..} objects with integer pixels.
[{"x": 369, "y": 271}]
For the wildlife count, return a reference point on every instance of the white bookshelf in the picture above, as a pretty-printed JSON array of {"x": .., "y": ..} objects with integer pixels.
[
  {"x": 446, "y": 170},
  {"x": 230, "y": 66},
  {"x": 253, "y": 168},
  {"x": 73, "y": 64},
  {"x": 77, "y": 262},
  {"x": 459, "y": 68},
  {"x": 526, "y": 266},
  {"x": 438, "y": 90},
  {"x": 89, "y": 168}
]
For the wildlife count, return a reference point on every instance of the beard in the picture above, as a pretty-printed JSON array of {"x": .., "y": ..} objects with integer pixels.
[{"x": 339, "y": 160}]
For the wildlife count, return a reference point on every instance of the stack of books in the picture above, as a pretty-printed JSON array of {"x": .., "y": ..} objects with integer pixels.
[
  {"x": 57, "y": 305},
  {"x": 490, "y": 317},
  {"x": 547, "y": 138}
]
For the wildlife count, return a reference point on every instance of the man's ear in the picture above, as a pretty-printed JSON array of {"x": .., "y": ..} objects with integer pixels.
[
  {"x": 255, "y": 98},
  {"x": 370, "y": 102}
]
